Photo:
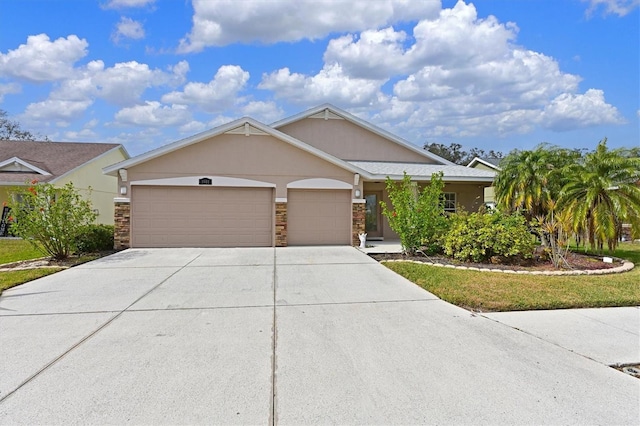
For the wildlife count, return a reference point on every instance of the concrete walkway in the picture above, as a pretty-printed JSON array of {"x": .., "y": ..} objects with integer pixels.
[{"x": 284, "y": 336}]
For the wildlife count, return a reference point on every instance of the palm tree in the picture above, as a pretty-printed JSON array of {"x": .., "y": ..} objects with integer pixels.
[
  {"x": 530, "y": 180},
  {"x": 601, "y": 193}
]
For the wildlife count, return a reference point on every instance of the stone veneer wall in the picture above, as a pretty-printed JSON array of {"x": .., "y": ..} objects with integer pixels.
[
  {"x": 281, "y": 224},
  {"x": 122, "y": 226},
  {"x": 359, "y": 212}
]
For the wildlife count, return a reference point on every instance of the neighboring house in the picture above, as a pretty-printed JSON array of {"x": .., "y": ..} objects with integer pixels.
[
  {"x": 315, "y": 178},
  {"x": 58, "y": 163},
  {"x": 488, "y": 164}
]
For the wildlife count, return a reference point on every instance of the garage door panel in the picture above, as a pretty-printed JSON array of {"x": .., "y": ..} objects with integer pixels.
[
  {"x": 318, "y": 217},
  {"x": 201, "y": 217}
]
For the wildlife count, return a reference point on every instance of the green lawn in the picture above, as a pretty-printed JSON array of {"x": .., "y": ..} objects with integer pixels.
[
  {"x": 494, "y": 291},
  {"x": 16, "y": 250},
  {"x": 13, "y": 278}
]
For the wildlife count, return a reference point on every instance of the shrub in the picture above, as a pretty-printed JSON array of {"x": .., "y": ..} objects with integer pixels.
[
  {"x": 480, "y": 236},
  {"x": 95, "y": 238},
  {"x": 417, "y": 216},
  {"x": 50, "y": 217}
]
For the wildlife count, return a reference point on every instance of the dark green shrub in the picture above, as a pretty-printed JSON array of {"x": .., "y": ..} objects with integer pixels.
[
  {"x": 481, "y": 236},
  {"x": 94, "y": 238}
]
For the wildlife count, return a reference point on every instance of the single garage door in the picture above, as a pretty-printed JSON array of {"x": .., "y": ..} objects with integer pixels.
[
  {"x": 201, "y": 217},
  {"x": 317, "y": 216}
]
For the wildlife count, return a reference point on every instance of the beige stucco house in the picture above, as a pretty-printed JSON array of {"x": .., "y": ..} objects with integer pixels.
[
  {"x": 59, "y": 163},
  {"x": 313, "y": 178}
]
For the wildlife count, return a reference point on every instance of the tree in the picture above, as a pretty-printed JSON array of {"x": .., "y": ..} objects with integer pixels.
[
  {"x": 529, "y": 180},
  {"x": 601, "y": 193},
  {"x": 456, "y": 154},
  {"x": 11, "y": 130},
  {"x": 416, "y": 215},
  {"x": 50, "y": 218}
]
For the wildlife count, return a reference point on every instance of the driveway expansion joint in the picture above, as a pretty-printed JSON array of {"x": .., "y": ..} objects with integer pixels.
[
  {"x": 89, "y": 336},
  {"x": 366, "y": 302}
]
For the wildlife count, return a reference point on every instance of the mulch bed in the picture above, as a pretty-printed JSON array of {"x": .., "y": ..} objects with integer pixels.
[{"x": 577, "y": 261}]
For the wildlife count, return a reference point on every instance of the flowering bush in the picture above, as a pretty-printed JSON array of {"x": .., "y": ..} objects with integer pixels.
[
  {"x": 50, "y": 218},
  {"x": 416, "y": 215}
]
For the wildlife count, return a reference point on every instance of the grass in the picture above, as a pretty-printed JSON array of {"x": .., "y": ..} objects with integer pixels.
[
  {"x": 17, "y": 250},
  {"x": 491, "y": 291},
  {"x": 13, "y": 278}
]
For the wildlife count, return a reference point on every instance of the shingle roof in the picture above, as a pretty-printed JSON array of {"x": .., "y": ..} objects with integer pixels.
[
  {"x": 494, "y": 161},
  {"x": 424, "y": 171},
  {"x": 56, "y": 158}
]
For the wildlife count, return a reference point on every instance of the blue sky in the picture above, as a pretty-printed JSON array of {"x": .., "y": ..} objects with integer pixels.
[{"x": 492, "y": 74}]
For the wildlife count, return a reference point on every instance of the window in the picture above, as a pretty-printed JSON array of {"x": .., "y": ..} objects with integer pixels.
[{"x": 449, "y": 201}]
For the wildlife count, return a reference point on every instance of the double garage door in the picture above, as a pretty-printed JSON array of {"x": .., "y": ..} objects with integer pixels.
[
  {"x": 235, "y": 217},
  {"x": 201, "y": 217}
]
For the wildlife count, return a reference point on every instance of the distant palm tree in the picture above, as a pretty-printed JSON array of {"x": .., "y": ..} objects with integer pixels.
[
  {"x": 530, "y": 180},
  {"x": 601, "y": 193}
]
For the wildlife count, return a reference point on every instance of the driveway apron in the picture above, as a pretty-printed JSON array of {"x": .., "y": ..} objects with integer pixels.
[{"x": 297, "y": 335}]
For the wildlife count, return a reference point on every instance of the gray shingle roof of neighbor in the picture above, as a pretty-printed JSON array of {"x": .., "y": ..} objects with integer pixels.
[
  {"x": 491, "y": 162},
  {"x": 424, "y": 171},
  {"x": 54, "y": 158},
  {"x": 494, "y": 161}
]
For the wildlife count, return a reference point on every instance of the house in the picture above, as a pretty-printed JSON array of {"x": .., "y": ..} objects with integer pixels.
[
  {"x": 492, "y": 165},
  {"x": 313, "y": 178},
  {"x": 59, "y": 163}
]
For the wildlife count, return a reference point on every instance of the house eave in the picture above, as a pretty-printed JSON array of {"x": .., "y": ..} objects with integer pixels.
[{"x": 446, "y": 179}]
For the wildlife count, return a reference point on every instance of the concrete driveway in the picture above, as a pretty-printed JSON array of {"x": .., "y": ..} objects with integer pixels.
[{"x": 279, "y": 336}]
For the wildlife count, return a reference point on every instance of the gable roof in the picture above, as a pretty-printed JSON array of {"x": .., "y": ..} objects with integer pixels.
[
  {"x": 247, "y": 126},
  {"x": 24, "y": 161},
  {"x": 329, "y": 108},
  {"x": 493, "y": 163},
  {"x": 367, "y": 169}
]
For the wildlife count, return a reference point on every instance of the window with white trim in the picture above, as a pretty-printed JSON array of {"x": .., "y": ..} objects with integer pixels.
[{"x": 449, "y": 202}]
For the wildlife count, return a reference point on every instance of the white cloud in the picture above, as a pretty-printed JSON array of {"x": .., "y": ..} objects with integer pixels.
[
  {"x": 460, "y": 75},
  {"x": 612, "y": 7},
  {"x": 128, "y": 28},
  {"x": 568, "y": 111},
  {"x": 43, "y": 60},
  {"x": 9, "y": 89},
  {"x": 331, "y": 83},
  {"x": 80, "y": 135},
  {"x": 374, "y": 54},
  {"x": 217, "y": 95},
  {"x": 192, "y": 127},
  {"x": 124, "y": 83},
  {"x": 222, "y": 22},
  {"x": 153, "y": 114},
  {"x": 118, "y": 4},
  {"x": 62, "y": 111},
  {"x": 267, "y": 112}
]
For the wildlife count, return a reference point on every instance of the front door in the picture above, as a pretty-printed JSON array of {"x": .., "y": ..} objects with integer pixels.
[{"x": 373, "y": 217}]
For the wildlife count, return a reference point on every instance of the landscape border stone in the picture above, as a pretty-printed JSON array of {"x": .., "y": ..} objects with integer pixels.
[{"x": 625, "y": 267}]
